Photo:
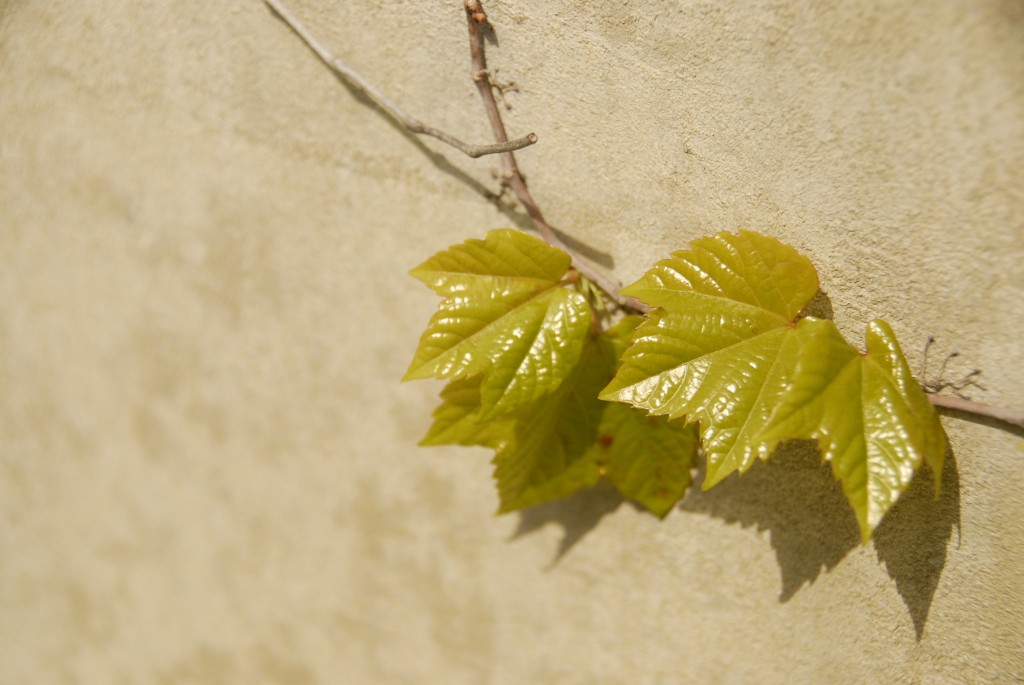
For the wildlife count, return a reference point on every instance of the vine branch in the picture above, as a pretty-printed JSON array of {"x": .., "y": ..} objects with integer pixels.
[
  {"x": 360, "y": 84},
  {"x": 960, "y": 404},
  {"x": 476, "y": 18}
]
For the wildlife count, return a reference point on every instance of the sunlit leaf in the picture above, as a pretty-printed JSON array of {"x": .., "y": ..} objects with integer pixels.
[
  {"x": 568, "y": 439},
  {"x": 724, "y": 348},
  {"x": 456, "y": 419},
  {"x": 720, "y": 343},
  {"x": 505, "y": 254},
  {"x": 505, "y": 316},
  {"x": 870, "y": 417}
]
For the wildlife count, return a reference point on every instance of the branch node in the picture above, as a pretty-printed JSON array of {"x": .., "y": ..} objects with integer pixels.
[
  {"x": 511, "y": 169},
  {"x": 476, "y": 11}
]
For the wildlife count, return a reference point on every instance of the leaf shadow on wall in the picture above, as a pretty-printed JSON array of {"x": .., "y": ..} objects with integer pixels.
[
  {"x": 913, "y": 538},
  {"x": 812, "y": 527},
  {"x": 577, "y": 514}
]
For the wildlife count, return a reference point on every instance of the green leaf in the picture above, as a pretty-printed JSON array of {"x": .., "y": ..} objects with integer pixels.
[
  {"x": 548, "y": 455},
  {"x": 870, "y": 417},
  {"x": 456, "y": 419},
  {"x": 543, "y": 450},
  {"x": 505, "y": 316},
  {"x": 721, "y": 343},
  {"x": 506, "y": 257},
  {"x": 647, "y": 458},
  {"x": 568, "y": 439}
]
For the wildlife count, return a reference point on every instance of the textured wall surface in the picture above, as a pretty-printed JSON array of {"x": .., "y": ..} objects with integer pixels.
[{"x": 208, "y": 470}]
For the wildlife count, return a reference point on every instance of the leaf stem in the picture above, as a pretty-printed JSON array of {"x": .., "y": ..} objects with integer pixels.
[{"x": 360, "y": 84}]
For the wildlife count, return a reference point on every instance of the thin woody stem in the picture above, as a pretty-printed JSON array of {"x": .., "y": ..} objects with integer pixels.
[
  {"x": 960, "y": 404},
  {"x": 412, "y": 124},
  {"x": 475, "y": 18}
]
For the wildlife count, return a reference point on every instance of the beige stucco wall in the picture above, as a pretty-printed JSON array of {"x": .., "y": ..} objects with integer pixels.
[{"x": 208, "y": 470}]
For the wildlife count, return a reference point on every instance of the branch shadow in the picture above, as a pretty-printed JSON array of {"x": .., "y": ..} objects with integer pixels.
[
  {"x": 440, "y": 162},
  {"x": 489, "y": 34},
  {"x": 518, "y": 218},
  {"x": 794, "y": 496}
]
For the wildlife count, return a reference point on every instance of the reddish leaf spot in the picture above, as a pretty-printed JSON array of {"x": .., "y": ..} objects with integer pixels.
[{"x": 605, "y": 440}]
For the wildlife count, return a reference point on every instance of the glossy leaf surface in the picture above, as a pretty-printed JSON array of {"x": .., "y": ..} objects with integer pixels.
[
  {"x": 543, "y": 450},
  {"x": 505, "y": 316},
  {"x": 723, "y": 347},
  {"x": 505, "y": 254},
  {"x": 568, "y": 439},
  {"x": 721, "y": 342},
  {"x": 869, "y": 415}
]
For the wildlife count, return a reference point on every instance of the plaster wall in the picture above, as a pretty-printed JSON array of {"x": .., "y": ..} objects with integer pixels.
[{"x": 208, "y": 470}]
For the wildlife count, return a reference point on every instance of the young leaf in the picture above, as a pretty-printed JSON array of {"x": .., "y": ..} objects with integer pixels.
[
  {"x": 549, "y": 451},
  {"x": 505, "y": 315},
  {"x": 504, "y": 253},
  {"x": 541, "y": 451},
  {"x": 721, "y": 343},
  {"x": 456, "y": 419},
  {"x": 568, "y": 439},
  {"x": 870, "y": 417},
  {"x": 647, "y": 458}
]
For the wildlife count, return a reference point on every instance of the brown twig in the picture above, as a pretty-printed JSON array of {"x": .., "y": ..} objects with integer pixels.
[
  {"x": 965, "y": 405},
  {"x": 476, "y": 18},
  {"x": 356, "y": 81}
]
